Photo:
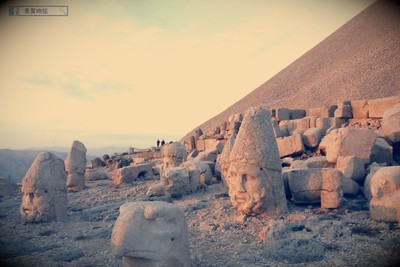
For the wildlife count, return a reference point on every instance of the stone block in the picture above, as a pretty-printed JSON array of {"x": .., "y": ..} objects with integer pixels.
[
  {"x": 377, "y": 107},
  {"x": 282, "y": 114},
  {"x": 360, "y": 109},
  {"x": 291, "y": 145}
]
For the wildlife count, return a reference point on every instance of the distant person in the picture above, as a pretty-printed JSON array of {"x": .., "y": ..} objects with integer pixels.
[
  {"x": 162, "y": 142},
  {"x": 158, "y": 143}
]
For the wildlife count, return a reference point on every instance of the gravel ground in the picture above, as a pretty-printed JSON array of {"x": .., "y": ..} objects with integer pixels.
[{"x": 306, "y": 236}]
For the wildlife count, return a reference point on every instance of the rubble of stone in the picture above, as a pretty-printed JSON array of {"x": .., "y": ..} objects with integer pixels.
[
  {"x": 75, "y": 165},
  {"x": 44, "y": 190},
  {"x": 151, "y": 234}
]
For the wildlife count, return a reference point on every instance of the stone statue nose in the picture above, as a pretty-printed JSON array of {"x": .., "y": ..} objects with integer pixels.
[{"x": 242, "y": 188}]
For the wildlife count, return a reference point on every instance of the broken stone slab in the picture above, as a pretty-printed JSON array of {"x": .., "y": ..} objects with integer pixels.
[
  {"x": 391, "y": 123},
  {"x": 130, "y": 174},
  {"x": 377, "y": 107},
  {"x": 290, "y": 146},
  {"x": 348, "y": 142}
]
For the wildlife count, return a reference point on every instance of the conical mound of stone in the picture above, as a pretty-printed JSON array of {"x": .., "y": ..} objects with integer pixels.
[
  {"x": 44, "y": 190},
  {"x": 256, "y": 184}
]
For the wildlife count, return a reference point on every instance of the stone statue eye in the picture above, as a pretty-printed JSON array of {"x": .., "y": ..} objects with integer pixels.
[{"x": 172, "y": 238}]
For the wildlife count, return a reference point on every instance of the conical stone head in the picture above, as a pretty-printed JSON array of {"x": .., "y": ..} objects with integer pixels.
[
  {"x": 256, "y": 184},
  {"x": 44, "y": 190}
]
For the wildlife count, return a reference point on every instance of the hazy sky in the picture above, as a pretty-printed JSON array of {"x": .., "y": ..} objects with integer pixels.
[{"x": 128, "y": 72}]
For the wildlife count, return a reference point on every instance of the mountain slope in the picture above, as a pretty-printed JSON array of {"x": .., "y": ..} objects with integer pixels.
[{"x": 361, "y": 60}]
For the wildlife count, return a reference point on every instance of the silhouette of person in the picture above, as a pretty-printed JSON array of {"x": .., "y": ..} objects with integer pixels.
[
  {"x": 158, "y": 143},
  {"x": 162, "y": 142}
]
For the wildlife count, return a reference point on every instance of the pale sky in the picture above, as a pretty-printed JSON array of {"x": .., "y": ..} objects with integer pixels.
[{"x": 124, "y": 73}]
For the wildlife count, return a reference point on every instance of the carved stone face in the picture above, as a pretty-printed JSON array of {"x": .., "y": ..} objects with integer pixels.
[
  {"x": 173, "y": 154},
  {"x": 44, "y": 193},
  {"x": 151, "y": 232},
  {"x": 32, "y": 206},
  {"x": 248, "y": 187}
]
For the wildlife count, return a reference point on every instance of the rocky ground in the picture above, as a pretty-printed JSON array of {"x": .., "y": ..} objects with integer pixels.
[{"x": 306, "y": 236}]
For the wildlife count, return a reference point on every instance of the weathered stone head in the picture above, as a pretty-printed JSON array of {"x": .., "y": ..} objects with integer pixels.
[
  {"x": 44, "y": 190},
  {"x": 255, "y": 181},
  {"x": 151, "y": 234},
  {"x": 173, "y": 154},
  {"x": 385, "y": 190},
  {"x": 75, "y": 165}
]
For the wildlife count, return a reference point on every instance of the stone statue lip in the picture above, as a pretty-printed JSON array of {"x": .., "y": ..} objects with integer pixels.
[
  {"x": 28, "y": 211},
  {"x": 242, "y": 198},
  {"x": 145, "y": 254}
]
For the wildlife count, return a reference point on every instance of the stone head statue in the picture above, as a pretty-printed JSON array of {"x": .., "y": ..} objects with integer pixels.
[
  {"x": 385, "y": 189},
  {"x": 44, "y": 190},
  {"x": 173, "y": 154},
  {"x": 75, "y": 165},
  {"x": 225, "y": 163},
  {"x": 151, "y": 234},
  {"x": 254, "y": 175}
]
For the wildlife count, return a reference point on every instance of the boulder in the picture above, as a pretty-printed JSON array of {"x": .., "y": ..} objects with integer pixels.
[
  {"x": 377, "y": 107},
  {"x": 208, "y": 155},
  {"x": 44, "y": 190},
  {"x": 291, "y": 146},
  {"x": 197, "y": 133},
  {"x": 391, "y": 123},
  {"x": 348, "y": 142},
  {"x": 130, "y": 174},
  {"x": 256, "y": 185},
  {"x": 385, "y": 190},
  {"x": 312, "y": 137},
  {"x": 151, "y": 234},
  {"x": 298, "y": 126},
  {"x": 75, "y": 165},
  {"x": 382, "y": 152},
  {"x": 205, "y": 173},
  {"x": 96, "y": 174},
  {"x": 352, "y": 168},
  {"x": 97, "y": 163},
  {"x": 350, "y": 187},
  {"x": 176, "y": 181}
]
